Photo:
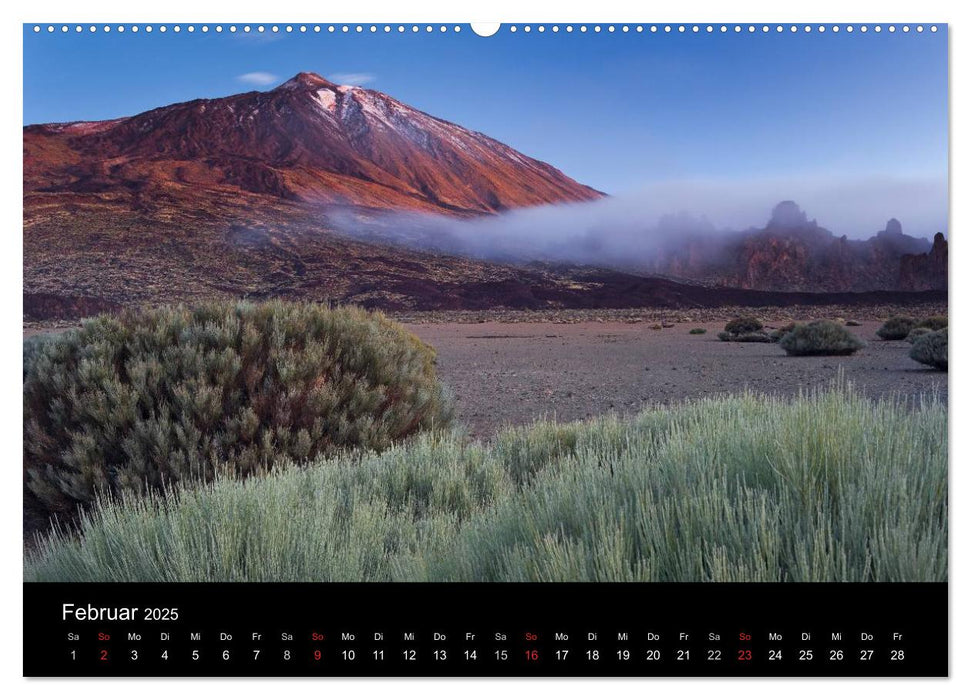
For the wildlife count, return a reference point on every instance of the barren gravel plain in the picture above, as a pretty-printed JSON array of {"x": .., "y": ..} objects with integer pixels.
[
  {"x": 510, "y": 367},
  {"x": 509, "y": 373}
]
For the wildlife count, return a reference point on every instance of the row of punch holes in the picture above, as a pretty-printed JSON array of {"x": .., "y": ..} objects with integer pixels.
[{"x": 513, "y": 28}]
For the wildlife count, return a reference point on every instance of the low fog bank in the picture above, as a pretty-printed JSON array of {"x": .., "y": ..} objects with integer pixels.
[{"x": 635, "y": 229}]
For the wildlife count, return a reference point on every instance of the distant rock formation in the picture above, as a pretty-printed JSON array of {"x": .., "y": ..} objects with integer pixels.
[
  {"x": 793, "y": 253},
  {"x": 788, "y": 215},
  {"x": 925, "y": 271}
]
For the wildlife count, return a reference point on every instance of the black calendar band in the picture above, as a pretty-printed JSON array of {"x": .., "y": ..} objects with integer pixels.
[{"x": 470, "y": 629}]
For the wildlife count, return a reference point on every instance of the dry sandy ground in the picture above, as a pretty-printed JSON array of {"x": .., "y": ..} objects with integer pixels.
[{"x": 513, "y": 373}]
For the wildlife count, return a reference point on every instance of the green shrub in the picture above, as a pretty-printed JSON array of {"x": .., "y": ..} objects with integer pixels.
[
  {"x": 931, "y": 349},
  {"x": 916, "y": 333},
  {"x": 33, "y": 346},
  {"x": 753, "y": 337},
  {"x": 147, "y": 399},
  {"x": 743, "y": 324},
  {"x": 745, "y": 329},
  {"x": 698, "y": 331},
  {"x": 935, "y": 323},
  {"x": 777, "y": 334},
  {"x": 897, "y": 328},
  {"x": 830, "y": 486},
  {"x": 820, "y": 338}
]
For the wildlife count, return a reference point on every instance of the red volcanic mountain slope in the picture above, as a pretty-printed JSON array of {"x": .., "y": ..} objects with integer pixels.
[
  {"x": 308, "y": 140},
  {"x": 226, "y": 198}
]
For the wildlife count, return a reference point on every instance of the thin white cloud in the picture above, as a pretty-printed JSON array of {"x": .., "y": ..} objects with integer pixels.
[
  {"x": 353, "y": 78},
  {"x": 258, "y": 78}
]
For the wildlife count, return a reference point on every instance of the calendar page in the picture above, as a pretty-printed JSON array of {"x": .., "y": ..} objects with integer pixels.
[{"x": 485, "y": 350}]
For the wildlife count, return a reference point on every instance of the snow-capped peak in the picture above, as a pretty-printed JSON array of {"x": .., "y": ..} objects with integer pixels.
[{"x": 306, "y": 81}]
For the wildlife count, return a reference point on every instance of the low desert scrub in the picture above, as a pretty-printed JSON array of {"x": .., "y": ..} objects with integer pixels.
[
  {"x": 916, "y": 333},
  {"x": 698, "y": 331},
  {"x": 144, "y": 400},
  {"x": 753, "y": 337},
  {"x": 897, "y": 328},
  {"x": 745, "y": 329},
  {"x": 931, "y": 349},
  {"x": 777, "y": 334},
  {"x": 820, "y": 338},
  {"x": 934, "y": 323},
  {"x": 743, "y": 324},
  {"x": 830, "y": 486}
]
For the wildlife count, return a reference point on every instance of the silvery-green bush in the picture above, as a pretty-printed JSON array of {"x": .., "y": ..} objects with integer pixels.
[
  {"x": 831, "y": 486},
  {"x": 145, "y": 400},
  {"x": 820, "y": 338},
  {"x": 896, "y": 327},
  {"x": 916, "y": 333},
  {"x": 931, "y": 349},
  {"x": 935, "y": 323}
]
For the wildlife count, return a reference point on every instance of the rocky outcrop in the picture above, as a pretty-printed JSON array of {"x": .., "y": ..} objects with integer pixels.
[
  {"x": 925, "y": 271},
  {"x": 793, "y": 253}
]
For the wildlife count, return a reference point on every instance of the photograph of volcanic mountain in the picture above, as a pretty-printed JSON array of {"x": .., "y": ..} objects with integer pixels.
[
  {"x": 529, "y": 303},
  {"x": 286, "y": 193}
]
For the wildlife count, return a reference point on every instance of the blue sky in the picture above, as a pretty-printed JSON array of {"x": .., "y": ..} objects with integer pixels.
[{"x": 615, "y": 111}]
